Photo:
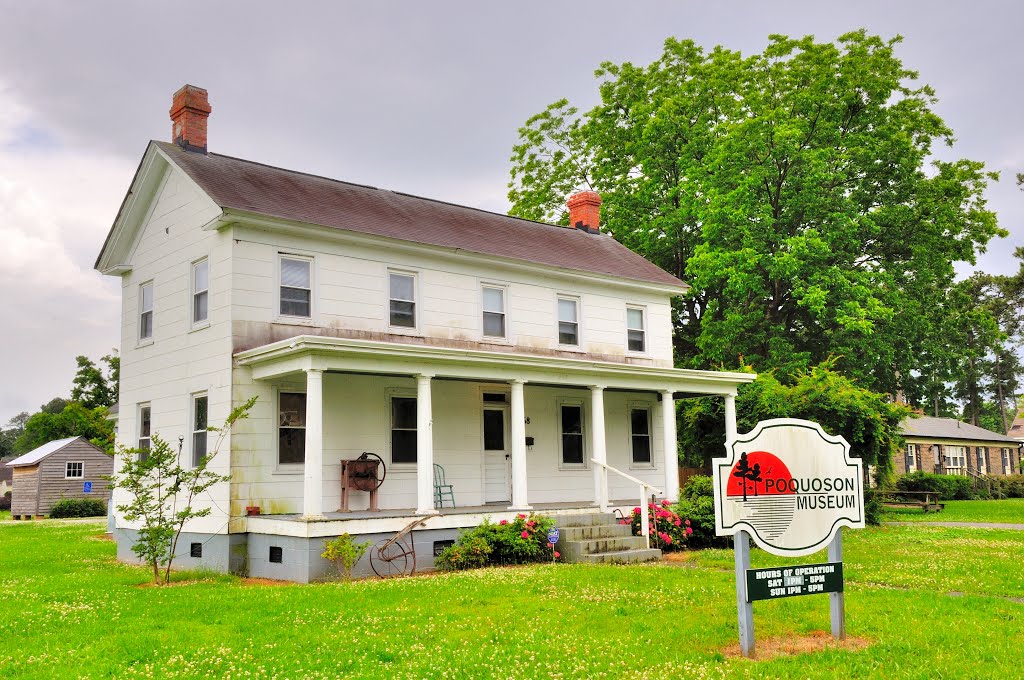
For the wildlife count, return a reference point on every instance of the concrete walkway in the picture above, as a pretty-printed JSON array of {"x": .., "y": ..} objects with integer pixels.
[{"x": 964, "y": 525}]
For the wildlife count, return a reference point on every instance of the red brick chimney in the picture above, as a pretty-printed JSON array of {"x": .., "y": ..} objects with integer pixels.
[
  {"x": 190, "y": 108},
  {"x": 585, "y": 211}
]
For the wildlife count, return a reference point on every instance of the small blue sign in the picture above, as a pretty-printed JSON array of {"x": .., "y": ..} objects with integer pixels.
[
  {"x": 87, "y": 487},
  {"x": 553, "y": 535}
]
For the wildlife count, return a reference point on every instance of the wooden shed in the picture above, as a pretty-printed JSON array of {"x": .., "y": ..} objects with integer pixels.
[{"x": 65, "y": 468}]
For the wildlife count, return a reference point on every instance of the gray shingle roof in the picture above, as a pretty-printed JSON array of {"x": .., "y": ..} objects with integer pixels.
[
  {"x": 247, "y": 186},
  {"x": 929, "y": 427},
  {"x": 37, "y": 454}
]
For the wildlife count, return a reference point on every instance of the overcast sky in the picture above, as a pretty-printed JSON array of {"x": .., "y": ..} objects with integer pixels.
[{"x": 424, "y": 97}]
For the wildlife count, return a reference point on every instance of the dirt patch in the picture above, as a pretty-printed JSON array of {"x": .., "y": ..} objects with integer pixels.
[
  {"x": 102, "y": 537},
  {"x": 815, "y": 641},
  {"x": 681, "y": 556},
  {"x": 264, "y": 582}
]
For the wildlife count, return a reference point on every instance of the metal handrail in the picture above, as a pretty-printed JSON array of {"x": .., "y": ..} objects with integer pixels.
[{"x": 645, "y": 521}]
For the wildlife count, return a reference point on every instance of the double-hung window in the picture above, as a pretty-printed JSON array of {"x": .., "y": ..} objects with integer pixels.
[
  {"x": 200, "y": 419},
  {"x": 1007, "y": 467},
  {"x": 146, "y": 311},
  {"x": 568, "y": 321},
  {"x": 494, "y": 311},
  {"x": 403, "y": 430},
  {"x": 74, "y": 470},
  {"x": 570, "y": 425},
  {"x": 200, "y": 292},
  {"x": 402, "y": 299},
  {"x": 145, "y": 430},
  {"x": 296, "y": 287},
  {"x": 640, "y": 434},
  {"x": 636, "y": 333},
  {"x": 955, "y": 456},
  {"x": 912, "y": 462},
  {"x": 291, "y": 428}
]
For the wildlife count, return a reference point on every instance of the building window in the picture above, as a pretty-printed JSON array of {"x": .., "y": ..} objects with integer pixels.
[
  {"x": 276, "y": 554},
  {"x": 640, "y": 433},
  {"x": 403, "y": 430},
  {"x": 955, "y": 457},
  {"x": 494, "y": 312},
  {"x": 145, "y": 425},
  {"x": 146, "y": 311},
  {"x": 74, "y": 470},
  {"x": 982, "y": 452},
  {"x": 296, "y": 287},
  {"x": 402, "y": 299},
  {"x": 199, "y": 425},
  {"x": 912, "y": 461},
  {"x": 200, "y": 292},
  {"x": 636, "y": 334},
  {"x": 291, "y": 428},
  {"x": 570, "y": 424},
  {"x": 568, "y": 321}
]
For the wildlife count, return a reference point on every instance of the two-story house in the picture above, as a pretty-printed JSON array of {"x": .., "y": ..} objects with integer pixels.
[{"x": 519, "y": 357}]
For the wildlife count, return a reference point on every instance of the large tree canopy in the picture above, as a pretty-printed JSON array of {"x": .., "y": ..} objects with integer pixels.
[{"x": 793, "y": 189}]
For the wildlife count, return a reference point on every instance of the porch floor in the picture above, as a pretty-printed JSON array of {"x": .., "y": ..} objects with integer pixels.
[{"x": 461, "y": 510}]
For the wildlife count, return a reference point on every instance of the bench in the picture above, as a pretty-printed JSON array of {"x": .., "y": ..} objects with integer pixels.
[{"x": 926, "y": 500}]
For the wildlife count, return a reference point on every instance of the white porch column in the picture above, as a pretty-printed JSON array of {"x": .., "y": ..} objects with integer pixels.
[
  {"x": 730, "y": 417},
  {"x": 424, "y": 448},
  {"x": 313, "y": 468},
  {"x": 518, "y": 433},
  {"x": 668, "y": 439},
  {"x": 598, "y": 450}
]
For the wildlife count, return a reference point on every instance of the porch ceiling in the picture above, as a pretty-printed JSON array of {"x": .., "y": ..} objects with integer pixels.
[{"x": 310, "y": 352}]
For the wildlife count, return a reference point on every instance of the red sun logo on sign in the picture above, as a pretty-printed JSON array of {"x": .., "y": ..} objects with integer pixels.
[{"x": 759, "y": 473}]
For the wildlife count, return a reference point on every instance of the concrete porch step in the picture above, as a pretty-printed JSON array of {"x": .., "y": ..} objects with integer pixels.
[
  {"x": 586, "y": 520},
  {"x": 623, "y": 556},
  {"x": 593, "y": 532},
  {"x": 575, "y": 549}
]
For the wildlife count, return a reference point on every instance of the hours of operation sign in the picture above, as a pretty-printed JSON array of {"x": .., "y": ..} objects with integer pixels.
[{"x": 805, "y": 579}]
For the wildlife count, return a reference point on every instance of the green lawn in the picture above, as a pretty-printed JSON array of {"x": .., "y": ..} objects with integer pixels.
[
  {"x": 1009, "y": 511},
  {"x": 5, "y": 515},
  {"x": 932, "y": 602}
]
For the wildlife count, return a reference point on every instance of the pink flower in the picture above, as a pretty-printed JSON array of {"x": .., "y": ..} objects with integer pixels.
[
  {"x": 530, "y": 523},
  {"x": 550, "y": 544},
  {"x": 557, "y": 554},
  {"x": 503, "y": 522},
  {"x": 636, "y": 511},
  {"x": 525, "y": 534},
  {"x": 687, "y": 522},
  {"x": 520, "y": 516},
  {"x": 677, "y": 522},
  {"x": 665, "y": 503},
  {"x": 689, "y": 531}
]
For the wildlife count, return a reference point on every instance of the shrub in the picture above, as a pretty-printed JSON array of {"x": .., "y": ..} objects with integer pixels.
[
  {"x": 78, "y": 507},
  {"x": 669, "y": 531},
  {"x": 469, "y": 552},
  {"x": 949, "y": 487},
  {"x": 873, "y": 508},
  {"x": 344, "y": 552},
  {"x": 697, "y": 504},
  {"x": 5, "y": 501},
  {"x": 520, "y": 541}
]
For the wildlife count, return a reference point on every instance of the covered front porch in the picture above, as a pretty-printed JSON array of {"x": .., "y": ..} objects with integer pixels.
[{"x": 512, "y": 433}]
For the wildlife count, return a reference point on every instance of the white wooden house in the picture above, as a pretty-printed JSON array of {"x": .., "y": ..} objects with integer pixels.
[{"x": 520, "y": 357}]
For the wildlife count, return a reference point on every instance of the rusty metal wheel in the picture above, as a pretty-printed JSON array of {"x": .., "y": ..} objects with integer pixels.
[{"x": 390, "y": 558}]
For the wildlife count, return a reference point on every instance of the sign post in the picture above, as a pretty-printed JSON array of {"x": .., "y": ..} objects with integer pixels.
[{"x": 790, "y": 487}]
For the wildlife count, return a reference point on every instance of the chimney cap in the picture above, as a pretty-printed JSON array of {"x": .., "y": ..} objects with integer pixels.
[
  {"x": 585, "y": 211},
  {"x": 586, "y": 197},
  {"x": 191, "y": 97}
]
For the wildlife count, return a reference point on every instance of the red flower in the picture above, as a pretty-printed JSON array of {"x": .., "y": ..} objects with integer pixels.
[
  {"x": 520, "y": 516},
  {"x": 677, "y": 522},
  {"x": 636, "y": 511},
  {"x": 525, "y": 534},
  {"x": 530, "y": 523},
  {"x": 557, "y": 554},
  {"x": 503, "y": 522},
  {"x": 689, "y": 531},
  {"x": 687, "y": 522},
  {"x": 665, "y": 503},
  {"x": 550, "y": 544}
]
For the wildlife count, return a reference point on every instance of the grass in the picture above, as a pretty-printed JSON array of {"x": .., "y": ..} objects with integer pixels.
[
  {"x": 68, "y": 609},
  {"x": 5, "y": 515},
  {"x": 1009, "y": 511}
]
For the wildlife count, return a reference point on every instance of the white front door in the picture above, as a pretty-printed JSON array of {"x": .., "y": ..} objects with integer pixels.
[{"x": 496, "y": 455}]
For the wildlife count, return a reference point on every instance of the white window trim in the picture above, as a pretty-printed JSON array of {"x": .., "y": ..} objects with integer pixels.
[
  {"x": 578, "y": 347},
  {"x": 417, "y": 302},
  {"x": 205, "y": 323},
  {"x": 74, "y": 462},
  {"x": 148, "y": 340},
  {"x": 279, "y": 467},
  {"x": 643, "y": 320},
  {"x": 504, "y": 288},
  {"x": 645, "y": 406},
  {"x": 390, "y": 394},
  {"x": 912, "y": 460},
  {"x": 956, "y": 462},
  {"x": 192, "y": 424},
  {"x": 314, "y": 308},
  {"x": 585, "y": 424},
  {"x": 138, "y": 424}
]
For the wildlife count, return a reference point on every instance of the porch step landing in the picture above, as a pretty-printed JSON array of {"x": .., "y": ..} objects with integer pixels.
[{"x": 599, "y": 538}]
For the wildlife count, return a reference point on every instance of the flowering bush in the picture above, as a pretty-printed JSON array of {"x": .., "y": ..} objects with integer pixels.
[
  {"x": 517, "y": 541},
  {"x": 697, "y": 503},
  {"x": 669, "y": 531}
]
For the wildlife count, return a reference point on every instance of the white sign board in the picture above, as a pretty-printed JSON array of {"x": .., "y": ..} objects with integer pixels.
[{"x": 790, "y": 485}]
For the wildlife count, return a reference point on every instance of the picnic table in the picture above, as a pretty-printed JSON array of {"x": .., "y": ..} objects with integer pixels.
[{"x": 926, "y": 500}]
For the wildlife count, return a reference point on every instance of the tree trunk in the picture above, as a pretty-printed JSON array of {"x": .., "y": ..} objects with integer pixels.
[{"x": 999, "y": 392}]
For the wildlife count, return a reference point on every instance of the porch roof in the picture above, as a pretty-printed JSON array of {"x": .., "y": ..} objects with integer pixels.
[{"x": 311, "y": 352}]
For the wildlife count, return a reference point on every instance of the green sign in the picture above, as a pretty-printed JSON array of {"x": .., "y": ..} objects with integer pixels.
[{"x": 804, "y": 579}]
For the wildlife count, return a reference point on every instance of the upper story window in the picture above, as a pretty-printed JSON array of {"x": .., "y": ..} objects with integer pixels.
[
  {"x": 568, "y": 321},
  {"x": 200, "y": 292},
  {"x": 296, "y": 286},
  {"x": 145, "y": 429},
  {"x": 636, "y": 332},
  {"x": 640, "y": 433},
  {"x": 402, "y": 299},
  {"x": 200, "y": 417},
  {"x": 146, "y": 311},
  {"x": 291, "y": 428},
  {"x": 1007, "y": 466},
  {"x": 74, "y": 470},
  {"x": 494, "y": 311}
]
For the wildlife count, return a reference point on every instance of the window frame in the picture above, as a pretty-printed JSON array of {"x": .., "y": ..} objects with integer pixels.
[
  {"x": 81, "y": 469},
  {"x": 193, "y": 413},
  {"x": 954, "y": 462},
  {"x": 141, "y": 312},
  {"x": 389, "y": 405},
  {"x": 311, "y": 261},
  {"x": 279, "y": 466},
  {"x": 648, "y": 409},
  {"x": 503, "y": 289},
  {"x": 912, "y": 461},
  {"x": 578, "y": 302},
  {"x": 140, "y": 436},
  {"x": 196, "y": 292},
  {"x": 642, "y": 330},
  {"x": 584, "y": 425},
  {"x": 414, "y": 275}
]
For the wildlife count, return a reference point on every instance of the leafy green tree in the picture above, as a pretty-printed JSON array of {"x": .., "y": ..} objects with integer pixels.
[
  {"x": 113, "y": 376},
  {"x": 89, "y": 386},
  {"x": 54, "y": 406},
  {"x": 792, "y": 189},
  {"x": 75, "y": 420}
]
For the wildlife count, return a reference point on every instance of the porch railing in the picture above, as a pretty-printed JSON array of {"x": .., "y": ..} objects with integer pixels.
[{"x": 645, "y": 521}]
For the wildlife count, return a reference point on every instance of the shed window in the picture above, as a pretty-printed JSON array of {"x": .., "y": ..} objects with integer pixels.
[
  {"x": 636, "y": 334},
  {"x": 199, "y": 425},
  {"x": 571, "y": 426},
  {"x": 568, "y": 321},
  {"x": 291, "y": 430},
  {"x": 640, "y": 434},
  {"x": 200, "y": 292},
  {"x": 494, "y": 312},
  {"x": 402, "y": 299},
  {"x": 403, "y": 430},
  {"x": 74, "y": 470},
  {"x": 296, "y": 287},
  {"x": 146, "y": 311}
]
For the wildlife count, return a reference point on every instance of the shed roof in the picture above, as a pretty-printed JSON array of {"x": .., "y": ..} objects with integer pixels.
[
  {"x": 1017, "y": 428},
  {"x": 246, "y": 186},
  {"x": 929, "y": 427},
  {"x": 37, "y": 454}
]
